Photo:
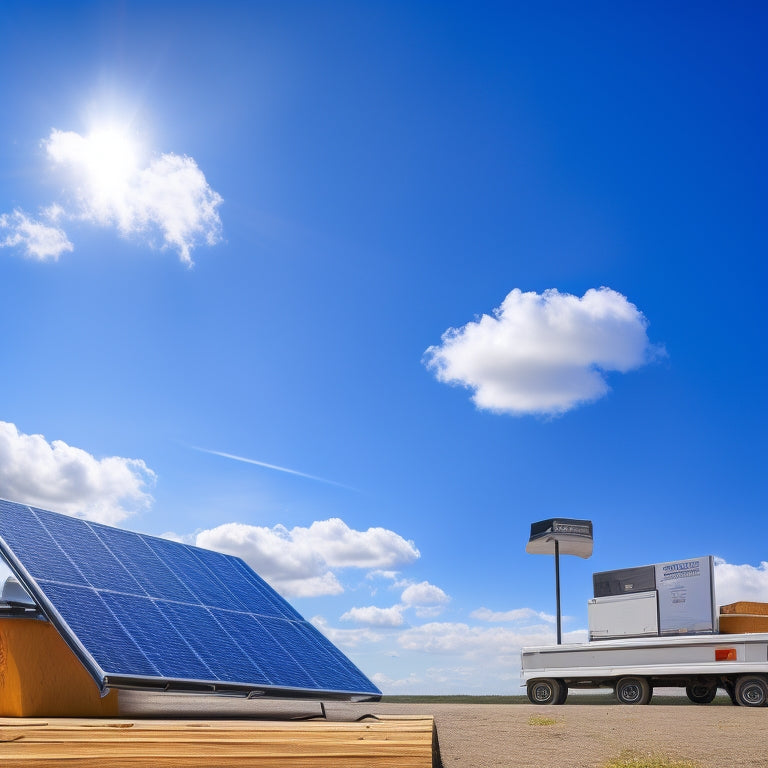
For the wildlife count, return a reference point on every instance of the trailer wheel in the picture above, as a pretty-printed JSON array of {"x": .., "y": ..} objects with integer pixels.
[
  {"x": 730, "y": 689},
  {"x": 546, "y": 691},
  {"x": 751, "y": 691},
  {"x": 633, "y": 690},
  {"x": 700, "y": 693},
  {"x": 563, "y": 693}
]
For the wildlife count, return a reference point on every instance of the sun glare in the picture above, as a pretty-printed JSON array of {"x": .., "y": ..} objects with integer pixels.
[{"x": 110, "y": 158}]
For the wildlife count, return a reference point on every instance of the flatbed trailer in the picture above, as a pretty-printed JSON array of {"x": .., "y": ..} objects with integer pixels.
[{"x": 632, "y": 667}]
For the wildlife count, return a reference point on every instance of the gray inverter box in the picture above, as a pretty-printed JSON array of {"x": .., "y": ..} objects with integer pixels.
[
  {"x": 624, "y": 581},
  {"x": 686, "y": 596}
]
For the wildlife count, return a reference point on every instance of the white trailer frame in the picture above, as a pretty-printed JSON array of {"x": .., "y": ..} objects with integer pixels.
[{"x": 634, "y": 666}]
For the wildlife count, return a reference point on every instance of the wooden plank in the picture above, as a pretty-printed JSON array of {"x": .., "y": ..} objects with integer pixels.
[
  {"x": 759, "y": 609},
  {"x": 389, "y": 743}
]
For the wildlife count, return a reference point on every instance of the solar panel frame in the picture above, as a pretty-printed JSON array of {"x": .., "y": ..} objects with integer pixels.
[{"x": 297, "y": 681}]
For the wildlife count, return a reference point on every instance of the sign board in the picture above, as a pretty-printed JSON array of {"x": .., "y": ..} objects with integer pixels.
[{"x": 574, "y": 537}]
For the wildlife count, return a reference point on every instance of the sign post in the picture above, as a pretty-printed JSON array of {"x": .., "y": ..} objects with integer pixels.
[{"x": 553, "y": 536}]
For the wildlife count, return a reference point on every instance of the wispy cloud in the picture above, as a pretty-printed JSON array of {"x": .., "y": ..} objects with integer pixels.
[
  {"x": 275, "y": 467},
  {"x": 39, "y": 239},
  {"x": 544, "y": 353}
]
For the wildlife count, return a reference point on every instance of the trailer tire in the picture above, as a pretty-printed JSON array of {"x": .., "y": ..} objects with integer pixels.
[
  {"x": 751, "y": 691},
  {"x": 633, "y": 690},
  {"x": 563, "y": 693},
  {"x": 546, "y": 690},
  {"x": 700, "y": 693}
]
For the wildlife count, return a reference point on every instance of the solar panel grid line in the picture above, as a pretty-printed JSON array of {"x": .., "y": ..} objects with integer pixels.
[
  {"x": 167, "y": 641},
  {"x": 53, "y": 615},
  {"x": 54, "y": 521},
  {"x": 176, "y": 634},
  {"x": 27, "y": 580},
  {"x": 334, "y": 657},
  {"x": 250, "y": 583},
  {"x": 86, "y": 613},
  {"x": 133, "y": 545},
  {"x": 212, "y": 576},
  {"x": 215, "y": 576},
  {"x": 234, "y": 659},
  {"x": 145, "y": 612},
  {"x": 273, "y": 636},
  {"x": 202, "y": 582},
  {"x": 270, "y": 651},
  {"x": 45, "y": 543},
  {"x": 99, "y": 566}
]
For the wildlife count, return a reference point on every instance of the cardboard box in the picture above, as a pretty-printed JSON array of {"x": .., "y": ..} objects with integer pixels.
[{"x": 41, "y": 677}]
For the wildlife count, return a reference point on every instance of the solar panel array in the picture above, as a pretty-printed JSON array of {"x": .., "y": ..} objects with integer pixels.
[{"x": 142, "y": 611}]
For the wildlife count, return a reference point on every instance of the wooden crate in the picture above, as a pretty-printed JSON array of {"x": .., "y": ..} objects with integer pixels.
[
  {"x": 755, "y": 609},
  {"x": 739, "y": 623},
  {"x": 41, "y": 677},
  {"x": 393, "y": 742}
]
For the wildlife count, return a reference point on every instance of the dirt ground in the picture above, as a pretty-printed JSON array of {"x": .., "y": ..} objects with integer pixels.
[
  {"x": 584, "y": 735},
  {"x": 589, "y": 735}
]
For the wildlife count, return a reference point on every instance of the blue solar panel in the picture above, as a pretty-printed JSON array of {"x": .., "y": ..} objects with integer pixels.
[{"x": 143, "y": 612}]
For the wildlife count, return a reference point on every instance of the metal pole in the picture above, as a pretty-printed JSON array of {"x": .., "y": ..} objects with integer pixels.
[{"x": 557, "y": 588}]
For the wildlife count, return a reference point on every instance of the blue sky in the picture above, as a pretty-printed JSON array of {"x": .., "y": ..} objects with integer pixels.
[{"x": 458, "y": 267}]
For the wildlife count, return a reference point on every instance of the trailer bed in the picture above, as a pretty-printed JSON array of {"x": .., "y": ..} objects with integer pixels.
[{"x": 699, "y": 663}]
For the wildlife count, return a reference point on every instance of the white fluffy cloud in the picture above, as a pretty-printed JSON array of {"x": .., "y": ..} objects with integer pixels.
[
  {"x": 164, "y": 200},
  {"x": 300, "y": 561},
  {"x": 39, "y": 240},
  {"x": 372, "y": 616},
  {"x": 734, "y": 583},
  {"x": 67, "y": 479},
  {"x": 169, "y": 196},
  {"x": 543, "y": 353},
  {"x": 424, "y": 598}
]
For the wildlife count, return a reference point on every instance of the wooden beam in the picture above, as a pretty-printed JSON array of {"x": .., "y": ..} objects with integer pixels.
[{"x": 80, "y": 743}]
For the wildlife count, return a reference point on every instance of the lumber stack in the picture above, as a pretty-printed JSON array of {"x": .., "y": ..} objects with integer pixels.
[
  {"x": 389, "y": 742},
  {"x": 743, "y": 617}
]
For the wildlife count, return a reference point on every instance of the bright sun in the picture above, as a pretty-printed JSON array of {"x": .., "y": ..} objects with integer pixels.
[{"x": 110, "y": 158}]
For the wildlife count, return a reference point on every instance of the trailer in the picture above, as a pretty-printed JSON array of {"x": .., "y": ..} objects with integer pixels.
[
  {"x": 657, "y": 626},
  {"x": 633, "y": 667}
]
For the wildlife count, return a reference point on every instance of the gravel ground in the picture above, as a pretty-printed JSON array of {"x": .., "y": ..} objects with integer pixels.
[{"x": 584, "y": 735}]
